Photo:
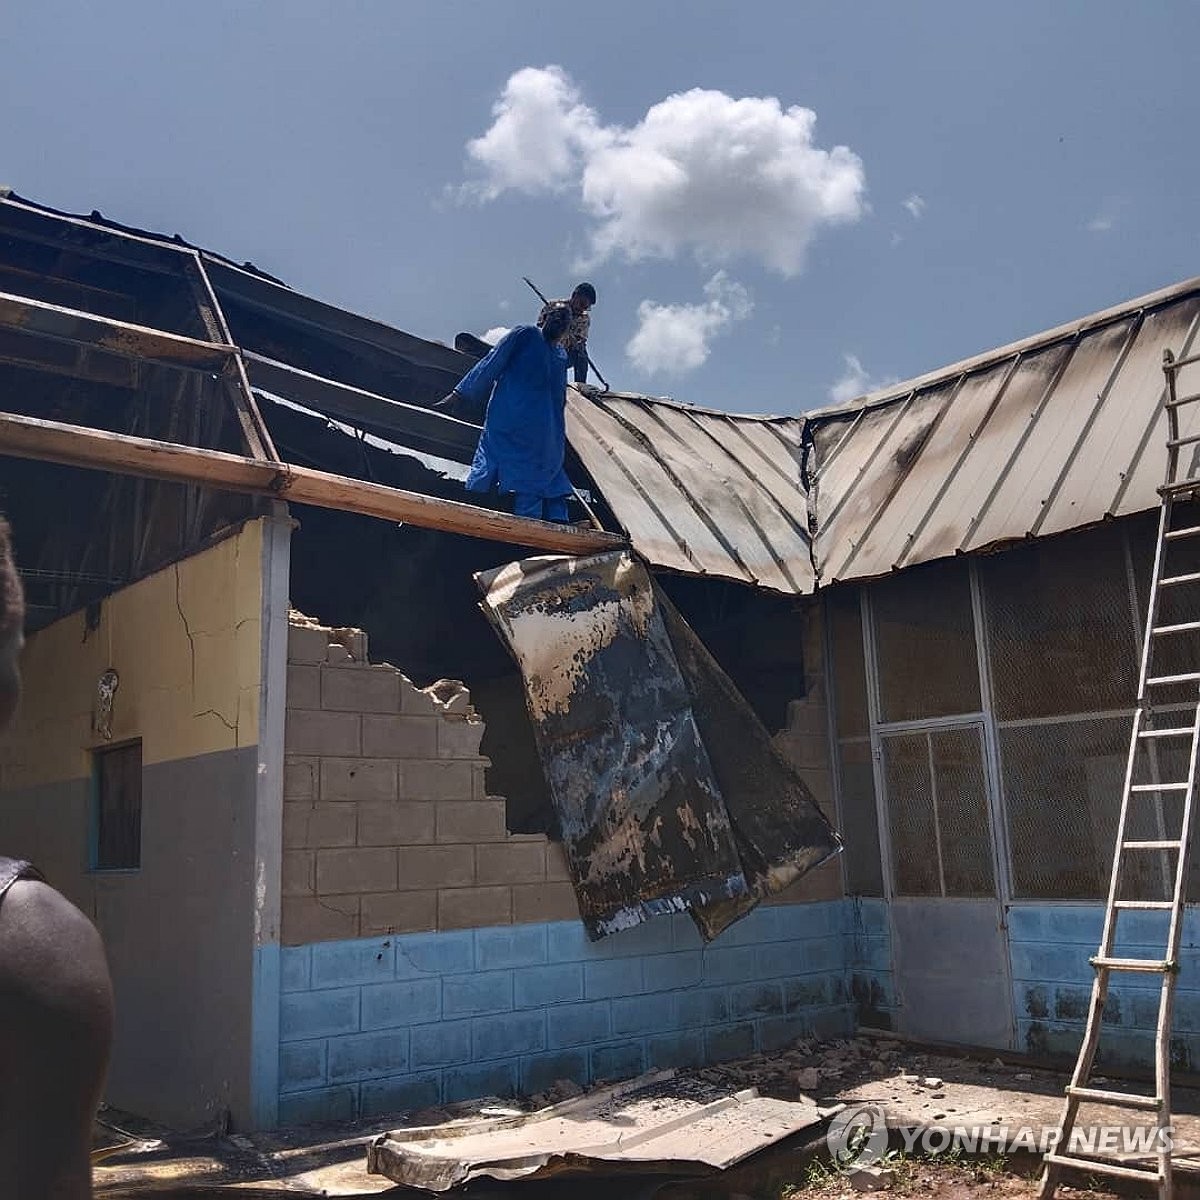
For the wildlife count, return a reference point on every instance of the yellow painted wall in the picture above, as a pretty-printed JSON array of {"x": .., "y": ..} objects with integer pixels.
[{"x": 186, "y": 643}]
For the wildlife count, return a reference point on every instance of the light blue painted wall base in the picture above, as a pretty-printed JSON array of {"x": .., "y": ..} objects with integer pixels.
[
  {"x": 869, "y": 979},
  {"x": 1050, "y": 945},
  {"x": 382, "y": 1025}
]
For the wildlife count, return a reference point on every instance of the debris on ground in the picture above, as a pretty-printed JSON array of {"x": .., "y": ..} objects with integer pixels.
[
  {"x": 662, "y": 1123},
  {"x": 880, "y": 1070}
]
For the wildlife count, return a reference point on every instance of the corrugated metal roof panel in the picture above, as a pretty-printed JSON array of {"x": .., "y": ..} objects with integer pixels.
[
  {"x": 1048, "y": 437},
  {"x": 848, "y": 533},
  {"x": 631, "y": 479},
  {"x": 1149, "y": 456},
  {"x": 933, "y": 472},
  {"x": 987, "y": 454},
  {"x": 1049, "y": 434},
  {"x": 1129, "y": 424},
  {"x": 700, "y": 491}
]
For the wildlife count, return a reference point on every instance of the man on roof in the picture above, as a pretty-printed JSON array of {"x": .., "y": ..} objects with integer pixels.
[
  {"x": 574, "y": 343},
  {"x": 521, "y": 449}
]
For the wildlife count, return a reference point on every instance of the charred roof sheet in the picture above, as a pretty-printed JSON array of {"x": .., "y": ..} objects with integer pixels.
[
  {"x": 698, "y": 491},
  {"x": 1053, "y": 433}
]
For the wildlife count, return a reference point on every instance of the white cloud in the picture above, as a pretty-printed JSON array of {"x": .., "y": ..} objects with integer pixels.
[
  {"x": 856, "y": 381},
  {"x": 915, "y": 204},
  {"x": 674, "y": 338},
  {"x": 1105, "y": 220},
  {"x": 701, "y": 171},
  {"x": 538, "y": 136},
  {"x": 493, "y": 335}
]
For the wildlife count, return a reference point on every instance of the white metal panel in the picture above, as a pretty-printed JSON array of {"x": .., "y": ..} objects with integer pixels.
[
  {"x": 1128, "y": 425},
  {"x": 989, "y": 452},
  {"x": 1049, "y": 436}
]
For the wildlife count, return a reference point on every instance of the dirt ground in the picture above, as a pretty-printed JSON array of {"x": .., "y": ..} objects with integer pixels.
[{"x": 940, "y": 1178}]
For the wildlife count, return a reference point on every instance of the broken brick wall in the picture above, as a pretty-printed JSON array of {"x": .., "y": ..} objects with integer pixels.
[{"x": 387, "y": 824}]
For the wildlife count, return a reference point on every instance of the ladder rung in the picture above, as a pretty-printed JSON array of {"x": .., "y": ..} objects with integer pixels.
[
  {"x": 1180, "y": 401},
  {"x": 1153, "y": 966},
  {"x": 1161, "y": 844},
  {"x": 1152, "y": 733},
  {"x": 1101, "y": 1168},
  {"x": 1180, "y": 487},
  {"x": 1177, "y": 363},
  {"x": 1171, "y": 580},
  {"x": 1100, "y": 1096},
  {"x": 1145, "y": 905},
  {"x": 1184, "y": 627},
  {"x": 1190, "y": 531},
  {"x": 1190, "y": 440},
  {"x": 1158, "y": 787},
  {"x": 1187, "y": 677}
]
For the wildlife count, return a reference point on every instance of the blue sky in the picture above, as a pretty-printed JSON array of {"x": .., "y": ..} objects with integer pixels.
[{"x": 1005, "y": 167}]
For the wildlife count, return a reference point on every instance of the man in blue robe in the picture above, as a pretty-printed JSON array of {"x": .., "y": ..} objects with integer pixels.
[{"x": 521, "y": 449}]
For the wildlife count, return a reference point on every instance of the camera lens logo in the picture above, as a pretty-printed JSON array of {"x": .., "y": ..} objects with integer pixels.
[{"x": 857, "y": 1137}]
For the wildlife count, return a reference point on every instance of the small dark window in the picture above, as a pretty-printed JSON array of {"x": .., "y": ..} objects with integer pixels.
[{"x": 117, "y": 773}]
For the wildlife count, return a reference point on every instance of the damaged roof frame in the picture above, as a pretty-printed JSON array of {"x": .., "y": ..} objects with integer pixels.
[
  {"x": 1057, "y": 431},
  {"x": 102, "y": 349}
]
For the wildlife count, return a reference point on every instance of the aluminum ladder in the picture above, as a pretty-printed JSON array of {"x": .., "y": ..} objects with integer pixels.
[{"x": 1175, "y": 723}]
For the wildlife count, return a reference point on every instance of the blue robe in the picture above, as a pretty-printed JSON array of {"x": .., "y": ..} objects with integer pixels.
[{"x": 524, "y": 436}]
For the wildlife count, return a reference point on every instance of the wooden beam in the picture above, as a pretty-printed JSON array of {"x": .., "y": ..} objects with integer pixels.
[
  {"x": 133, "y": 341},
  {"x": 408, "y": 424},
  {"x": 254, "y": 429},
  {"x": 78, "y": 446}
]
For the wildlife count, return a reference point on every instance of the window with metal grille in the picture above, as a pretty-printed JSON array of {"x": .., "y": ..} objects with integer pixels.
[
  {"x": 1061, "y": 627},
  {"x": 925, "y": 647},
  {"x": 1063, "y": 619},
  {"x": 937, "y": 807},
  {"x": 117, "y": 788}
]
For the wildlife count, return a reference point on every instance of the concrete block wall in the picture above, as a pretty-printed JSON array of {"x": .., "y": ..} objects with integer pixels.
[
  {"x": 388, "y": 827},
  {"x": 1049, "y": 947},
  {"x": 388, "y": 1024}
]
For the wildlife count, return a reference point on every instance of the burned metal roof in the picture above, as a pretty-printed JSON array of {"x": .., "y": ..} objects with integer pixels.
[
  {"x": 698, "y": 491},
  {"x": 1050, "y": 434},
  {"x": 1056, "y": 432}
]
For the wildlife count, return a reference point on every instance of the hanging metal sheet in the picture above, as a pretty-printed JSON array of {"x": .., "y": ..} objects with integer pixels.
[
  {"x": 642, "y": 815},
  {"x": 669, "y": 791}
]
